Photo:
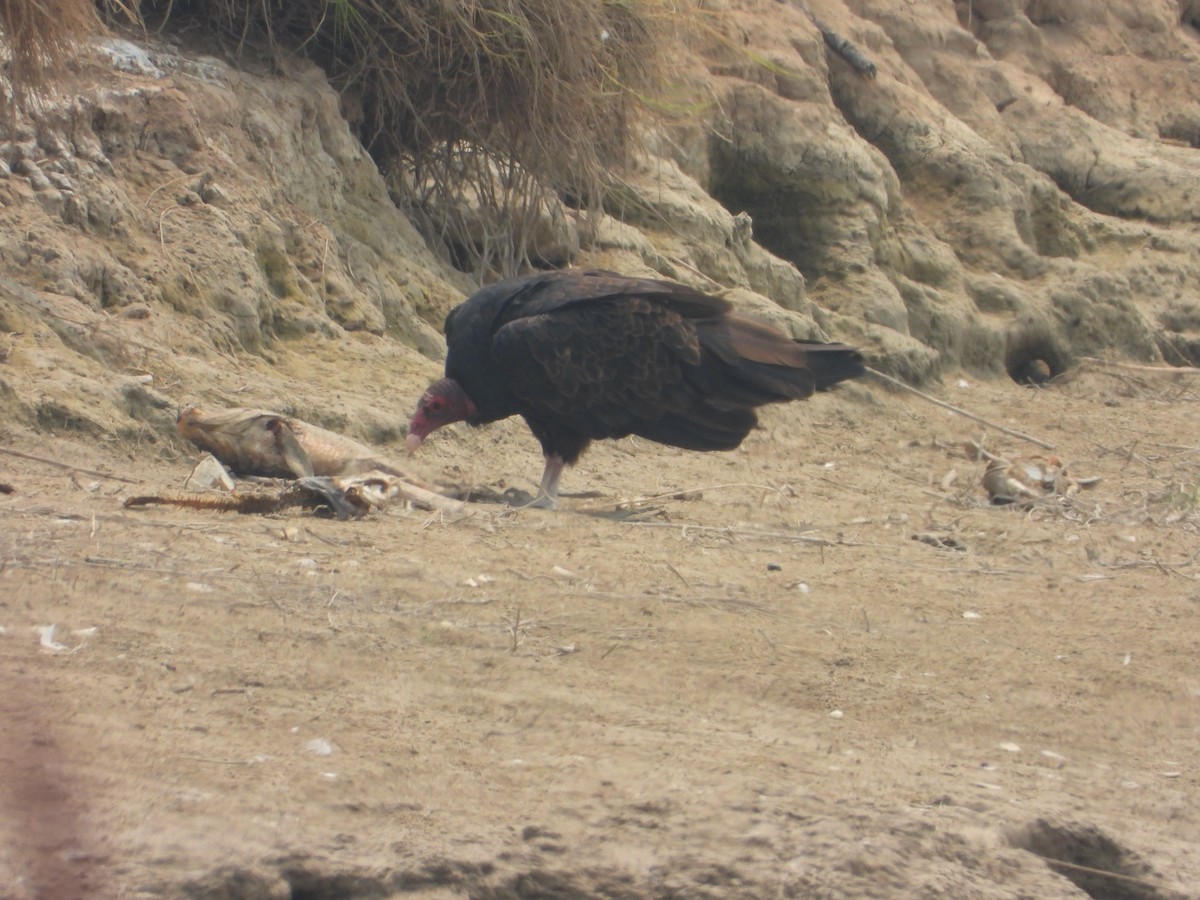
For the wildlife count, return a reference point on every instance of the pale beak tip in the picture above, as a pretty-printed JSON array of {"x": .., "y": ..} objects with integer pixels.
[{"x": 411, "y": 443}]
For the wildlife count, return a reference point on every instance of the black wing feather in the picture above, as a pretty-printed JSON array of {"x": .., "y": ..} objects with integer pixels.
[
  {"x": 589, "y": 355},
  {"x": 604, "y": 368}
]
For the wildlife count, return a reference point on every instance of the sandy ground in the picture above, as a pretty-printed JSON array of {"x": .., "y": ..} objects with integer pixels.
[{"x": 767, "y": 688}]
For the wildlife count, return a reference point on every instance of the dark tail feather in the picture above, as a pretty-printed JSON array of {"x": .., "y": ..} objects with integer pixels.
[
  {"x": 832, "y": 363},
  {"x": 818, "y": 367},
  {"x": 747, "y": 362},
  {"x": 754, "y": 384},
  {"x": 700, "y": 428}
]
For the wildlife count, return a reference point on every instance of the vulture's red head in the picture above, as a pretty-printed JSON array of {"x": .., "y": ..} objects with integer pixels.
[{"x": 442, "y": 403}]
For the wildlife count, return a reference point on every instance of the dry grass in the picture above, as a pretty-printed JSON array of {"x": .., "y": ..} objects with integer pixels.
[
  {"x": 486, "y": 115},
  {"x": 483, "y": 113},
  {"x": 37, "y": 36}
]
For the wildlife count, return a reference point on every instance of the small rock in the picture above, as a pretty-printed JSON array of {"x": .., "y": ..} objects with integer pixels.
[
  {"x": 60, "y": 181},
  {"x": 52, "y": 201},
  {"x": 136, "y": 311},
  {"x": 126, "y": 56},
  {"x": 212, "y": 193},
  {"x": 23, "y": 165}
]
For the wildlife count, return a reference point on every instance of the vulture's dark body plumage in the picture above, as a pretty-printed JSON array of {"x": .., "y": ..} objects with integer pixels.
[{"x": 584, "y": 355}]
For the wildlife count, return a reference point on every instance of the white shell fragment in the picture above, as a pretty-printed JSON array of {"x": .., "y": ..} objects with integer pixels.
[
  {"x": 319, "y": 747},
  {"x": 209, "y": 475},
  {"x": 46, "y": 639}
]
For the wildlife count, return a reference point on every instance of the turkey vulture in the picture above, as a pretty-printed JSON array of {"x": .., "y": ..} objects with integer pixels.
[{"x": 584, "y": 355}]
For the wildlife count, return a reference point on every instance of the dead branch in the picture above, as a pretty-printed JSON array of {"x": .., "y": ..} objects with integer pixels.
[
  {"x": 350, "y": 497},
  {"x": 843, "y": 47},
  {"x": 1107, "y": 873},
  {"x": 68, "y": 466},
  {"x": 896, "y": 382},
  {"x": 731, "y": 531},
  {"x": 1134, "y": 367},
  {"x": 685, "y": 494},
  {"x": 421, "y": 497}
]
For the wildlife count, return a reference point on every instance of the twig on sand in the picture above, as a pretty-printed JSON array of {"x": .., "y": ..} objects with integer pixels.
[
  {"x": 1106, "y": 873},
  {"x": 982, "y": 453},
  {"x": 421, "y": 497},
  {"x": 218, "y": 762},
  {"x": 68, "y": 466},
  {"x": 896, "y": 382},
  {"x": 680, "y": 494},
  {"x": 1134, "y": 367},
  {"x": 732, "y": 531}
]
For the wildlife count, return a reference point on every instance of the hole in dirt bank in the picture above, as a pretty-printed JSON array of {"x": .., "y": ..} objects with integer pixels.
[
  {"x": 1189, "y": 13},
  {"x": 1094, "y": 862},
  {"x": 1178, "y": 349},
  {"x": 1033, "y": 358}
]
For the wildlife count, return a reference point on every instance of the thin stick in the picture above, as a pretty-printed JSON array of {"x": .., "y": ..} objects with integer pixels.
[
  {"x": 962, "y": 412},
  {"x": 982, "y": 453},
  {"x": 217, "y": 762},
  {"x": 731, "y": 531},
  {"x": 1134, "y": 367},
  {"x": 67, "y": 466},
  {"x": 680, "y": 494},
  {"x": 431, "y": 499},
  {"x": 1119, "y": 876}
]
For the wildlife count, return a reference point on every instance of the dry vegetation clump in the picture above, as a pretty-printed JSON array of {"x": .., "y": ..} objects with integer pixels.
[
  {"x": 35, "y": 37},
  {"x": 504, "y": 107}
]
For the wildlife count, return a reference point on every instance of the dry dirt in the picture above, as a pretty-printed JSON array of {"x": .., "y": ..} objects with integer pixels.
[{"x": 767, "y": 690}]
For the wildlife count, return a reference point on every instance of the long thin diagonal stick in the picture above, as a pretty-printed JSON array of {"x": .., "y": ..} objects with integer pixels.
[
  {"x": 67, "y": 466},
  {"x": 962, "y": 412},
  {"x": 1134, "y": 367},
  {"x": 1120, "y": 876}
]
